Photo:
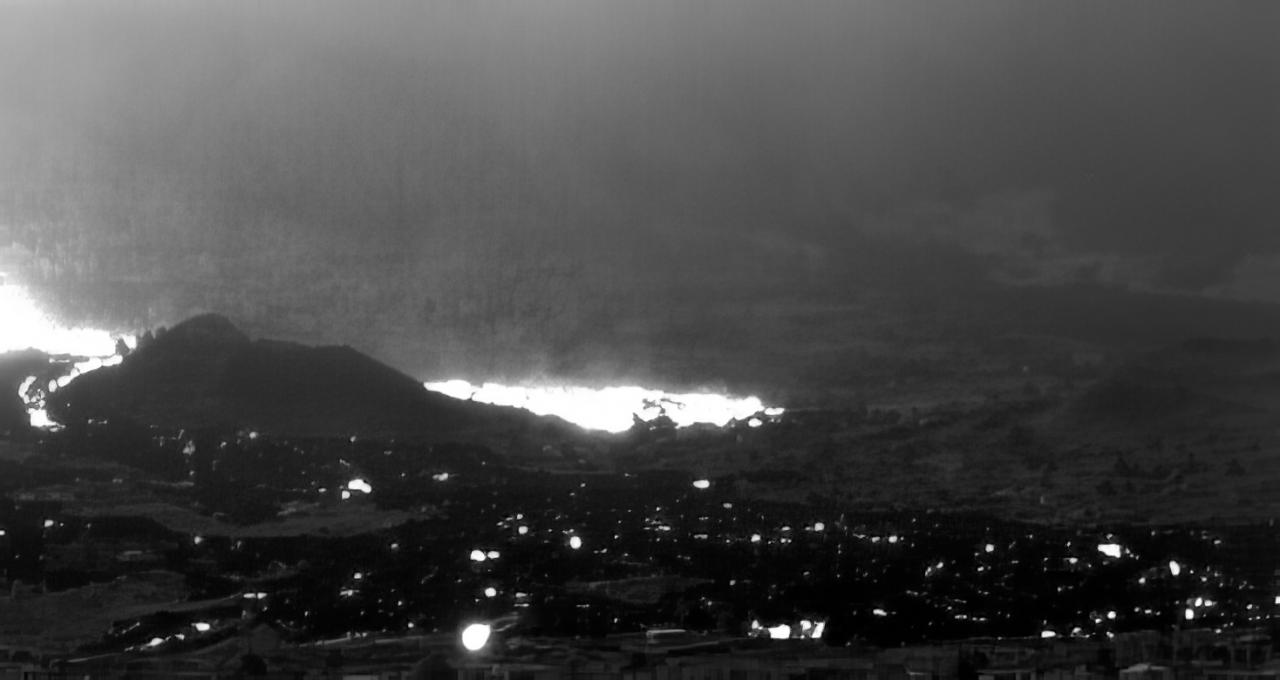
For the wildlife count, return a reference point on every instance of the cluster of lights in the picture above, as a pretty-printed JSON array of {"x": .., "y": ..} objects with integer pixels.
[
  {"x": 479, "y": 555},
  {"x": 804, "y": 629},
  {"x": 356, "y": 485}
]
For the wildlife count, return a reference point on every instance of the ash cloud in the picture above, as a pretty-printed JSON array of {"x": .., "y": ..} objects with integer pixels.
[{"x": 515, "y": 173}]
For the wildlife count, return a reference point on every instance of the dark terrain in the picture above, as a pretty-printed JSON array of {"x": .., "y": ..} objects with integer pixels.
[{"x": 318, "y": 489}]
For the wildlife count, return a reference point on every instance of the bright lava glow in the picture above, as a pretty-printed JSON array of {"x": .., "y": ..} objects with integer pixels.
[
  {"x": 610, "y": 408},
  {"x": 475, "y": 636},
  {"x": 27, "y": 326}
]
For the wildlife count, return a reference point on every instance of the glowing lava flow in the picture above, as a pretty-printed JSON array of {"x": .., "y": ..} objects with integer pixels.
[
  {"x": 610, "y": 408},
  {"x": 26, "y": 326}
]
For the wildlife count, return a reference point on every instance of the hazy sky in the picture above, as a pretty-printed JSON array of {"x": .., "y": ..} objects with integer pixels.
[{"x": 394, "y": 147}]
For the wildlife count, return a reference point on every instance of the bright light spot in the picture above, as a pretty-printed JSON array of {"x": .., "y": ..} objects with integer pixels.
[
  {"x": 477, "y": 556},
  {"x": 755, "y": 538},
  {"x": 879, "y": 612},
  {"x": 1174, "y": 567},
  {"x": 1111, "y": 615},
  {"x": 1048, "y": 634},
  {"x": 48, "y": 523},
  {"x": 781, "y": 632},
  {"x": 819, "y": 629},
  {"x": 575, "y": 542},
  {"x": 608, "y": 408},
  {"x": 1189, "y": 614},
  {"x": 1110, "y": 549},
  {"x": 201, "y": 626},
  {"x": 360, "y": 485},
  {"x": 493, "y": 554},
  {"x": 1199, "y": 602},
  {"x": 819, "y": 526},
  {"x": 702, "y": 484},
  {"x": 475, "y": 636},
  {"x": 490, "y": 592},
  {"x": 893, "y": 539},
  {"x": 155, "y": 642},
  {"x": 27, "y": 326},
  {"x": 522, "y": 530},
  {"x": 755, "y": 422},
  {"x": 346, "y": 495},
  {"x": 989, "y": 548},
  {"x": 441, "y": 477}
]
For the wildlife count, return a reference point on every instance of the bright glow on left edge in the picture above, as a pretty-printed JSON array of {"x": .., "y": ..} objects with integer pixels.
[
  {"x": 475, "y": 636},
  {"x": 27, "y": 326},
  {"x": 610, "y": 408}
]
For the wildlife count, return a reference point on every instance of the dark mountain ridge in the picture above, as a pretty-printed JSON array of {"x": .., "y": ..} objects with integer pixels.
[{"x": 205, "y": 372}]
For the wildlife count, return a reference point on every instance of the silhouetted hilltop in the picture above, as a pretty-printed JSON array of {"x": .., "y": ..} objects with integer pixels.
[{"x": 206, "y": 372}]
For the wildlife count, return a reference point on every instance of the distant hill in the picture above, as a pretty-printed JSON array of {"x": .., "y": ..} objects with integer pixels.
[
  {"x": 206, "y": 372},
  {"x": 1203, "y": 379}
]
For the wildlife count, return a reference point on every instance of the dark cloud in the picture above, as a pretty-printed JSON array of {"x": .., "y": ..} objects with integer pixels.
[{"x": 253, "y": 153}]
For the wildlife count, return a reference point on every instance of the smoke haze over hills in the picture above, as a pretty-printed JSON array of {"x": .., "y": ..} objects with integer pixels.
[{"x": 518, "y": 187}]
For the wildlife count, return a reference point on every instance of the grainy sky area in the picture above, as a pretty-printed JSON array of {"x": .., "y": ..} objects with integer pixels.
[{"x": 449, "y": 175}]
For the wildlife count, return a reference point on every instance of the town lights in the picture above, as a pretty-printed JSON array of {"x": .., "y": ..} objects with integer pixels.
[{"x": 475, "y": 636}]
